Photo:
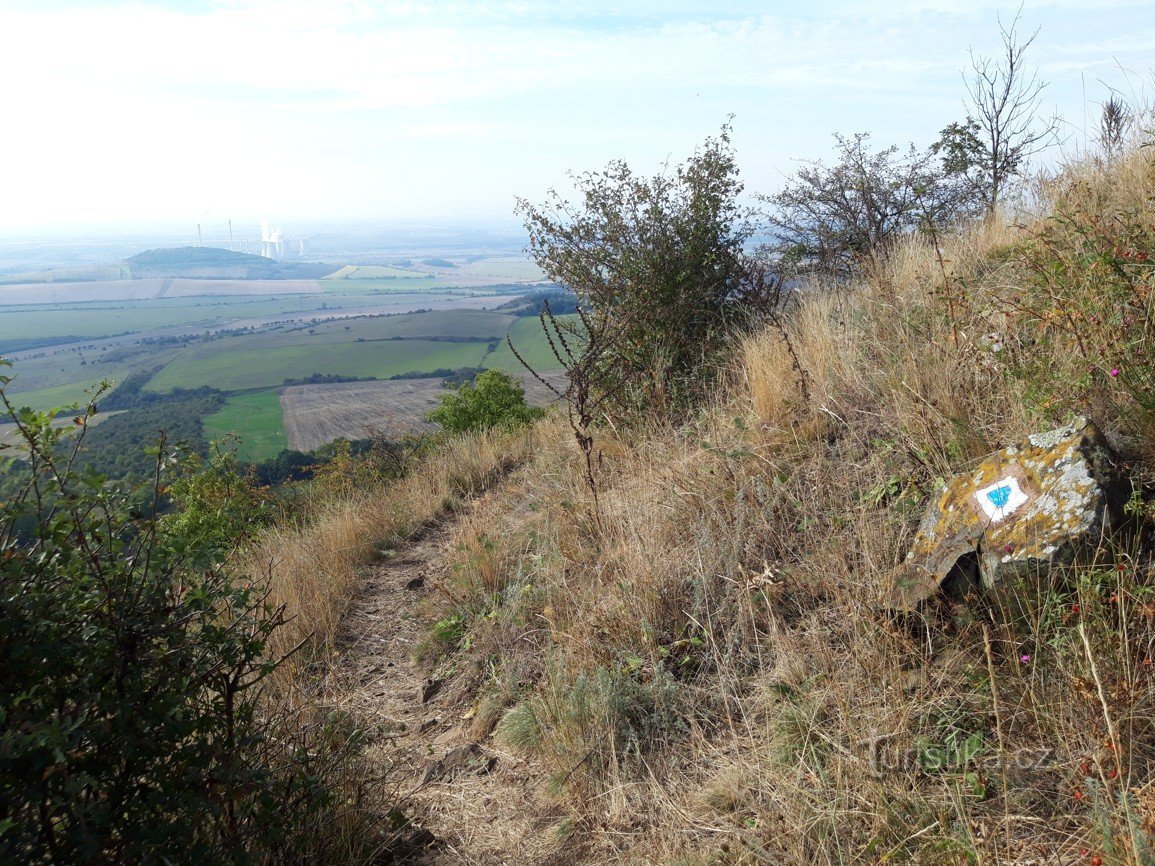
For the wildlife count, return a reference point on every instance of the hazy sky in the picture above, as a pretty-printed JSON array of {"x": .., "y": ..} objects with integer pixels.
[{"x": 303, "y": 111}]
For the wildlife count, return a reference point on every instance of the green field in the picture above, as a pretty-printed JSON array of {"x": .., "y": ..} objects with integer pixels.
[
  {"x": 502, "y": 269},
  {"x": 531, "y": 343},
  {"x": 256, "y": 419},
  {"x": 52, "y": 398},
  {"x": 242, "y": 369},
  {"x": 97, "y": 320},
  {"x": 105, "y": 318},
  {"x": 477, "y": 324},
  {"x": 263, "y": 340}
]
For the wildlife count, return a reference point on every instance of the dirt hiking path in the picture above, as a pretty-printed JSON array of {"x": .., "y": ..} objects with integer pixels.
[{"x": 478, "y": 803}]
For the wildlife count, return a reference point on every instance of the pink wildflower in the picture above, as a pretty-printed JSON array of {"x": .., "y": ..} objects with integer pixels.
[
  {"x": 1114, "y": 372},
  {"x": 1025, "y": 659}
]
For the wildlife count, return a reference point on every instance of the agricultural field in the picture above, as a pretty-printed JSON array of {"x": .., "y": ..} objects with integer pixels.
[
  {"x": 374, "y": 272},
  {"x": 233, "y": 368},
  {"x": 149, "y": 289},
  {"x": 502, "y": 269},
  {"x": 479, "y": 325},
  {"x": 530, "y": 342},
  {"x": 256, "y": 419},
  {"x": 10, "y": 435},
  {"x": 316, "y": 414},
  {"x": 91, "y": 359},
  {"x": 55, "y": 397},
  {"x": 245, "y": 338},
  {"x": 105, "y": 318}
]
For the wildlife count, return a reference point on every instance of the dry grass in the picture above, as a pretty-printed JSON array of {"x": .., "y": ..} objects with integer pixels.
[
  {"x": 704, "y": 668},
  {"x": 701, "y": 665},
  {"x": 312, "y": 567}
]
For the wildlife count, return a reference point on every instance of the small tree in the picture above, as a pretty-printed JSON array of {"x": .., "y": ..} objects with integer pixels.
[
  {"x": 658, "y": 268},
  {"x": 829, "y": 219},
  {"x": 494, "y": 399},
  {"x": 1002, "y": 130}
]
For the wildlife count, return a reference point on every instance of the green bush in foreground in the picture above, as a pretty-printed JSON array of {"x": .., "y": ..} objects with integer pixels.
[
  {"x": 493, "y": 399},
  {"x": 132, "y": 726}
]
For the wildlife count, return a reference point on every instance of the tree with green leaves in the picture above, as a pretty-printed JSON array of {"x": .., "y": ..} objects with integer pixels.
[
  {"x": 493, "y": 399},
  {"x": 133, "y": 728},
  {"x": 658, "y": 268}
]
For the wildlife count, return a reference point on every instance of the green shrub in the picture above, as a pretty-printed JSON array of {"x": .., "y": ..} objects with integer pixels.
[
  {"x": 660, "y": 275},
  {"x": 132, "y": 728},
  {"x": 1082, "y": 317},
  {"x": 493, "y": 399}
]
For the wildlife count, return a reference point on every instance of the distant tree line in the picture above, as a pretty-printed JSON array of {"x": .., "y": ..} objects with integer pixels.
[
  {"x": 20, "y": 344},
  {"x": 560, "y": 301},
  {"x": 129, "y": 393},
  {"x": 326, "y": 379},
  {"x": 450, "y": 374}
]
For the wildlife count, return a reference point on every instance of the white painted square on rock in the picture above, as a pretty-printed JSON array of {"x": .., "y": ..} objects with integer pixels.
[{"x": 1001, "y": 499}]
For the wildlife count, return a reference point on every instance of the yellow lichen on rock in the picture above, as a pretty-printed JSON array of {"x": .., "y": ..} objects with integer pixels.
[{"x": 1023, "y": 507}]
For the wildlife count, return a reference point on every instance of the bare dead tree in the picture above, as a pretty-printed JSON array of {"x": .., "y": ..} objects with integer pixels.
[
  {"x": 585, "y": 350},
  {"x": 831, "y": 219},
  {"x": 1003, "y": 122}
]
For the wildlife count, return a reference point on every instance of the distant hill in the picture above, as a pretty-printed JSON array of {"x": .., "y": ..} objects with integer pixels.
[
  {"x": 217, "y": 263},
  {"x": 181, "y": 256}
]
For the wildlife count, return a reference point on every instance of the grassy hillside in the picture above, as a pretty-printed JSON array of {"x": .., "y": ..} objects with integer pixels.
[
  {"x": 695, "y": 664},
  {"x": 175, "y": 257},
  {"x": 671, "y": 647}
]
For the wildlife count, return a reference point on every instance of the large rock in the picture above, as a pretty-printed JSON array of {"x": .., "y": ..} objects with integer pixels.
[{"x": 1021, "y": 510}]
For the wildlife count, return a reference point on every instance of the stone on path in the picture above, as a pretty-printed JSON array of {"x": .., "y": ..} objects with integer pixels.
[{"x": 1021, "y": 509}]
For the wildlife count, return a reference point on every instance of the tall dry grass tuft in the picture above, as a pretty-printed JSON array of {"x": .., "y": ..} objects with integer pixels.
[{"x": 311, "y": 567}]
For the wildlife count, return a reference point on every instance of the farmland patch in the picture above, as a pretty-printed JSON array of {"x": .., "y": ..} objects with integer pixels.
[
  {"x": 150, "y": 288},
  {"x": 374, "y": 272},
  {"x": 530, "y": 341},
  {"x": 255, "y": 419},
  {"x": 316, "y": 414},
  {"x": 246, "y": 366}
]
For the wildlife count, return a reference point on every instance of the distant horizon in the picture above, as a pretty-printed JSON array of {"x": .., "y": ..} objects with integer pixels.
[
  {"x": 248, "y": 227},
  {"x": 187, "y": 111},
  {"x": 64, "y": 246}
]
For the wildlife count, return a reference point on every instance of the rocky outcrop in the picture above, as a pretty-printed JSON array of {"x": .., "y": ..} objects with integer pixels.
[{"x": 1022, "y": 509}]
